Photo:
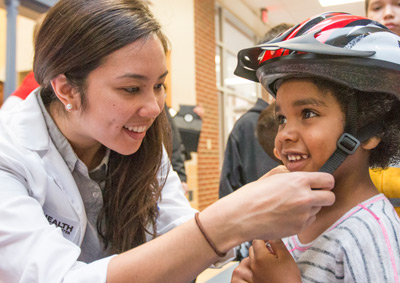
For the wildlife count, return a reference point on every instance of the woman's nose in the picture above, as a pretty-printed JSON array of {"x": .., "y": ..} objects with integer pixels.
[{"x": 152, "y": 105}]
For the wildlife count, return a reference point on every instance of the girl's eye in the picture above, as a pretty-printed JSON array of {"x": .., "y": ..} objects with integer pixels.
[
  {"x": 308, "y": 114},
  {"x": 281, "y": 119}
]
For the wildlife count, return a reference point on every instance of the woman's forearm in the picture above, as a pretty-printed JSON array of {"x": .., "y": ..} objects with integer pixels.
[{"x": 177, "y": 256}]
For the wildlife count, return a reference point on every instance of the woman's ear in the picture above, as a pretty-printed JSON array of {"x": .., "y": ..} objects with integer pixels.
[
  {"x": 371, "y": 143},
  {"x": 65, "y": 92}
]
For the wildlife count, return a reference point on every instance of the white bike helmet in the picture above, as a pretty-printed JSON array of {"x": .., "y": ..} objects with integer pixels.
[
  {"x": 347, "y": 49},
  {"x": 341, "y": 47}
]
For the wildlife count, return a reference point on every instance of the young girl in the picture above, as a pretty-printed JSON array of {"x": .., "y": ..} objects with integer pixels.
[{"x": 339, "y": 114}]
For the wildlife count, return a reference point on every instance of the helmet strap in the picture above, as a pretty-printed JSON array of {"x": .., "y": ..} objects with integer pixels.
[{"x": 350, "y": 140}]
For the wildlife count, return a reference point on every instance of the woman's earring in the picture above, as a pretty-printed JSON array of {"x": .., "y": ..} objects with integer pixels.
[{"x": 68, "y": 106}]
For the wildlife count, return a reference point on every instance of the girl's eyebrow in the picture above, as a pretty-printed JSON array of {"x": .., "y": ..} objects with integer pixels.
[
  {"x": 302, "y": 102},
  {"x": 309, "y": 101}
]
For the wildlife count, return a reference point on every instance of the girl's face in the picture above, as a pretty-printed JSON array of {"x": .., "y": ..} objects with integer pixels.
[
  {"x": 387, "y": 12},
  {"x": 125, "y": 94},
  {"x": 310, "y": 123}
]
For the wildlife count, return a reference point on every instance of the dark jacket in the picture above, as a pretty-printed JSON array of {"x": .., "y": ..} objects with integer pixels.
[
  {"x": 178, "y": 149},
  {"x": 244, "y": 160}
]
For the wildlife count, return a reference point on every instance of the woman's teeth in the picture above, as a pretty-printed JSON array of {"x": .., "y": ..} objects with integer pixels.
[{"x": 136, "y": 129}]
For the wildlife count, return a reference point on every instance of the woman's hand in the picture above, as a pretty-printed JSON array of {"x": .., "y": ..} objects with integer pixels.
[
  {"x": 277, "y": 170},
  {"x": 274, "y": 267},
  {"x": 273, "y": 207}
]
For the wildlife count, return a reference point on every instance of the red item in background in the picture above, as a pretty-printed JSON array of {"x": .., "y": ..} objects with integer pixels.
[{"x": 28, "y": 85}]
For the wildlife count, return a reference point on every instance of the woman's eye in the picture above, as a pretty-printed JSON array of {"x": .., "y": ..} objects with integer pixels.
[
  {"x": 159, "y": 86},
  {"x": 132, "y": 89},
  {"x": 308, "y": 114}
]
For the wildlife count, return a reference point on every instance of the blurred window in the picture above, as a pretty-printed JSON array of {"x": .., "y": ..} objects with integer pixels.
[{"x": 236, "y": 95}]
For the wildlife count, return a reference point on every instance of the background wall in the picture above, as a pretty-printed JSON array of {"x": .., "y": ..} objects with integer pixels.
[
  {"x": 177, "y": 19},
  {"x": 24, "y": 58},
  {"x": 243, "y": 12}
]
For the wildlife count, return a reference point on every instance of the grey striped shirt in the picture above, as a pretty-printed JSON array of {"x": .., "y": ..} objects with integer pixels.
[{"x": 362, "y": 246}]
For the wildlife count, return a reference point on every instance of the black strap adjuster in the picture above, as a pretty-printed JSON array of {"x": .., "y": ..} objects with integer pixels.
[{"x": 348, "y": 143}]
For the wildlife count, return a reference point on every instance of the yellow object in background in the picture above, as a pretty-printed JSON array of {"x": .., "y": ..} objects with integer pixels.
[{"x": 388, "y": 182}]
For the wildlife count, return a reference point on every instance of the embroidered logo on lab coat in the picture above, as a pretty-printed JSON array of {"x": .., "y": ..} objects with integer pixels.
[
  {"x": 68, "y": 226},
  {"x": 65, "y": 227}
]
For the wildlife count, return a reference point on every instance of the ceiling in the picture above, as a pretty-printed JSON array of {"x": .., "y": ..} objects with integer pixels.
[{"x": 296, "y": 11}]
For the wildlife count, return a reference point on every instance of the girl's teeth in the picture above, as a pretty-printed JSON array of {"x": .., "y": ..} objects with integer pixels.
[{"x": 297, "y": 157}]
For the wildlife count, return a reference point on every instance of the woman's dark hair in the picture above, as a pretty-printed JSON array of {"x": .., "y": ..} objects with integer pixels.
[
  {"x": 74, "y": 39},
  {"x": 372, "y": 107}
]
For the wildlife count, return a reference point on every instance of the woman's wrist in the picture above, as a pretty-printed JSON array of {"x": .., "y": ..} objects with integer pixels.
[
  {"x": 220, "y": 228},
  {"x": 208, "y": 239}
]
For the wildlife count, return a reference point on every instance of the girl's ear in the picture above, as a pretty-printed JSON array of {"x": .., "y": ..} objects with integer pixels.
[
  {"x": 277, "y": 154},
  {"x": 371, "y": 143}
]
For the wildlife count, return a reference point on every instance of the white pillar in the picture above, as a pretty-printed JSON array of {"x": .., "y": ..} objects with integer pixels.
[{"x": 11, "y": 47}]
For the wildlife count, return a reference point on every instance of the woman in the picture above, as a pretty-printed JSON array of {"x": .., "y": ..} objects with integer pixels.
[{"x": 85, "y": 182}]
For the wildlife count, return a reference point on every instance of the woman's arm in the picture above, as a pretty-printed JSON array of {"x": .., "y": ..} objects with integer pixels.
[{"x": 269, "y": 208}]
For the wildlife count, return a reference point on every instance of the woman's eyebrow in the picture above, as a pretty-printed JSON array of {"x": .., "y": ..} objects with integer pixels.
[{"x": 140, "y": 77}]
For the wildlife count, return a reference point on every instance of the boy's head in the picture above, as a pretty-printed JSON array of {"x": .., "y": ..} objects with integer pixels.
[
  {"x": 274, "y": 32},
  {"x": 268, "y": 36},
  {"x": 334, "y": 59},
  {"x": 266, "y": 130}
]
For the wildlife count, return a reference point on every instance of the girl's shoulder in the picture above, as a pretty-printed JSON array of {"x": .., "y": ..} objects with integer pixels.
[{"x": 372, "y": 223}]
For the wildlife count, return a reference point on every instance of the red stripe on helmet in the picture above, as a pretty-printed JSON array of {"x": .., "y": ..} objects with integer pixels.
[{"x": 325, "y": 24}]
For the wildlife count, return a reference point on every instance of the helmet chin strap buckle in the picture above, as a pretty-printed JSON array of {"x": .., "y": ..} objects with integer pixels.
[{"x": 348, "y": 143}]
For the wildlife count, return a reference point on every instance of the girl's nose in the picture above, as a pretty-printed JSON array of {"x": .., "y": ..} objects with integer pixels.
[{"x": 287, "y": 133}]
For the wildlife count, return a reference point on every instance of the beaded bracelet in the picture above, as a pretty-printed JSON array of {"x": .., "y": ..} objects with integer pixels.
[{"x": 212, "y": 245}]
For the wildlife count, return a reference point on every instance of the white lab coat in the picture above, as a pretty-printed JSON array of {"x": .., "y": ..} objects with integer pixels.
[{"x": 36, "y": 187}]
